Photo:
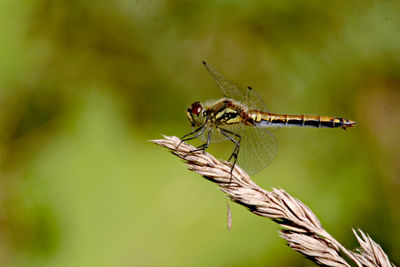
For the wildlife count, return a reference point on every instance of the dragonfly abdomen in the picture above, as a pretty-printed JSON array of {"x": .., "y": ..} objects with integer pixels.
[{"x": 264, "y": 119}]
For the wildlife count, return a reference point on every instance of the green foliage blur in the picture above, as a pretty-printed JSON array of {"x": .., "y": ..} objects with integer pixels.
[{"x": 85, "y": 84}]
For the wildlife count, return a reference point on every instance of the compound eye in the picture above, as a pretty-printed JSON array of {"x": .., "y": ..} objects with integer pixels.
[{"x": 197, "y": 108}]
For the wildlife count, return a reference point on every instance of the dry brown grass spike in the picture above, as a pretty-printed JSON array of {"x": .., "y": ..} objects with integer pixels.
[{"x": 301, "y": 227}]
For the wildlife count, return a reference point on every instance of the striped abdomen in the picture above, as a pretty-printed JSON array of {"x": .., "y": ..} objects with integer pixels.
[{"x": 264, "y": 119}]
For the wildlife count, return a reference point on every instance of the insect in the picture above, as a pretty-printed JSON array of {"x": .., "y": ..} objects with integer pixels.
[{"x": 242, "y": 118}]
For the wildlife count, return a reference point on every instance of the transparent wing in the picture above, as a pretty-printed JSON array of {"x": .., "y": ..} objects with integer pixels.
[
  {"x": 257, "y": 146},
  {"x": 245, "y": 95},
  {"x": 257, "y": 149}
]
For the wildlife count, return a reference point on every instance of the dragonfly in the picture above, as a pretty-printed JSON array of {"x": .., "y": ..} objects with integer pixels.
[{"x": 243, "y": 118}]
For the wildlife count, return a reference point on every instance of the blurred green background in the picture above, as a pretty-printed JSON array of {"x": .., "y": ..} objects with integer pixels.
[{"x": 85, "y": 84}]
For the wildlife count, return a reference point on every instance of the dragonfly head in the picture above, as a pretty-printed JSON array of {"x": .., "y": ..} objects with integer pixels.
[{"x": 195, "y": 114}]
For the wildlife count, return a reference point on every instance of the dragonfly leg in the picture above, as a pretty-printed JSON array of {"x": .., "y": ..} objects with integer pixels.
[
  {"x": 236, "y": 149},
  {"x": 183, "y": 138},
  {"x": 196, "y": 134},
  {"x": 205, "y": 145}
]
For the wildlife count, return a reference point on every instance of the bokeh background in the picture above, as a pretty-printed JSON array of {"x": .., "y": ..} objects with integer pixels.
[{"x": 85, "y": 84}]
